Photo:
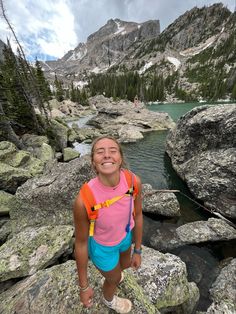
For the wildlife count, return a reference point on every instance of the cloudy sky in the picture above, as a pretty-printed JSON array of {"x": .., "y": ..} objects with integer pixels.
[{"x": 47, "y": 29}]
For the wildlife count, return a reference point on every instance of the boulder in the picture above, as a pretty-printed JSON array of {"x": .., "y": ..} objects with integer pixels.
[
  {"x": 70, "y": 154},
  {"x": 223, "y": 290},
  {"x": 16, "y": 166},
  {"x": 50, "y": 197},
  {"x": 161, "y": 283},
  {"x": 5, "y": 231},
  {"x": 163, "y": 277},
  {"x": 5, "y": 201},
  {"x": 121, "y": 120},
  {"x": 82, "y": 134},
  {"x": 59, "y": 132},
  {"x": 195, "y": 232},
  {"x": 34, "y": 249},
  {"x": 38, "y": 146},
  {"x": 202, "y": 151},
  {"x": 160, "y": 203},
  {"x": 11, "y": 178}
]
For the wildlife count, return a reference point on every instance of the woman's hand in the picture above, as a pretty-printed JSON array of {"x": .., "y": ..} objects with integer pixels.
[
  {"x": 136, "y": 261},
  {"x": 86, "y": 297}
]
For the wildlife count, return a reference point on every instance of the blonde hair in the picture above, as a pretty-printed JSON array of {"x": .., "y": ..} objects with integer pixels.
[{"x": 123, "y": 163}]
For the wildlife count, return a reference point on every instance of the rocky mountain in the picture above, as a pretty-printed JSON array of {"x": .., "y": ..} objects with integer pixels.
[
  {"x": 104, "y": 48},
  {"x": 197, "y": 52}
]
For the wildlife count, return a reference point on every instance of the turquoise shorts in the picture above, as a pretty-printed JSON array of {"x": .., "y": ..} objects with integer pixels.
[{"x": 104, "y": 257}]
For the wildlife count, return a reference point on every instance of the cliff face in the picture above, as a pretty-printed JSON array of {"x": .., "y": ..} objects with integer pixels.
[{"x": 109, "y": 45}]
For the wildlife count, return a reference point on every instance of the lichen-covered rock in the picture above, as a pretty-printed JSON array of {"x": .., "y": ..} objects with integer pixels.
[
  {"x": 163, "y": 277},
  {"x": 16, "y": 166},
  {"x": 202, "y": 151},
  {"x": 212, "y": 230},
  {"x": 70, "y": 154},
  {"x": 34, "y": 249},
  {"x": 160, "y": 283},
  {"x": 5, "y": 201},
  {"x": 221, "y": 308},
  {"x": 6, "y": 150},
  {"x": 5, "y": 230},
  {"x": 195, "y": 232},
  {"x": 60, "y": 134},
  {"x": 11, "y": 178},
  {"x": 160, "y": 203},
  {"x": 50, "y": 197},
  {"x": 55, "y": 291},
  {"x": 38, "y": 146},
  {"x": 223, "y": 290}
]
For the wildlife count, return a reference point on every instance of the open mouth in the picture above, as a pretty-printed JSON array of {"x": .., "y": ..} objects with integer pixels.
[{"x": 107, "y": 164}]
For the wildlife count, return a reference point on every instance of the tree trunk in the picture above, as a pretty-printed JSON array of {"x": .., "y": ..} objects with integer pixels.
[{"x": 6, "y": 131}]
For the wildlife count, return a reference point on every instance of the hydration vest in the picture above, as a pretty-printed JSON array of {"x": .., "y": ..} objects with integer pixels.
[{"x": 92, "y": 207}]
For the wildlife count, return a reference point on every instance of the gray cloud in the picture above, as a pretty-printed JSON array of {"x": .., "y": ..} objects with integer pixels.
[{"x": 91, "y": 15}]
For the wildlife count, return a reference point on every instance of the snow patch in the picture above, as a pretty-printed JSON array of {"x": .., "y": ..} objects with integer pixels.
[
  {"x": 175, "y": 61},
  {"x": 119, "y": 29},
  {"x": 196, "y": 50},
  {"x": 96, "y": 70},
  {"x": 145, "y": 67}
]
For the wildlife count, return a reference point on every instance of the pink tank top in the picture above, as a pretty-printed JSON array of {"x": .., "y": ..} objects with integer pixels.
[{"x": 111, "y": 222}]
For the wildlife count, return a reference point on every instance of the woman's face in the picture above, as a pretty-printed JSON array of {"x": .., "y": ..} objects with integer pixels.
[{"x": 106, "y": 157}]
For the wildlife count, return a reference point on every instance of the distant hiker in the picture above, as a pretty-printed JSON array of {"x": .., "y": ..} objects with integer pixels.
[
  {"x": 136, "y": 101},
  {"x": 106, "y": 211}
]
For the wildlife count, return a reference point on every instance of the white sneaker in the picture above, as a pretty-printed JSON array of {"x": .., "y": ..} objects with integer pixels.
[{"x": 119, "y": 305}]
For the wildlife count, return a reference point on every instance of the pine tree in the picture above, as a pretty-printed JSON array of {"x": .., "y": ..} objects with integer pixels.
[
  {"x": 42, "y": 83},
  {"x": 6, "y": 130},
  {"x": 59, "y": 94},
  {"x": 18, "y": 107}
]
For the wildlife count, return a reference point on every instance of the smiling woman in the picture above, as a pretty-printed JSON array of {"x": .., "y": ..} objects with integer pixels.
[
  {"x": 107, "y": 157},
  {"x": 104, "y": 222}
]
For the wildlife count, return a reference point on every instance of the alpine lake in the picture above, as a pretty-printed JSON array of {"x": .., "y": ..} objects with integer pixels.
[{"x": 147, "y": 159}]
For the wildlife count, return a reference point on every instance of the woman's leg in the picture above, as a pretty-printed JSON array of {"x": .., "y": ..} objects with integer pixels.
[
  {"x": 112, "y": 279},
  {"x": 125, "y": 259}
]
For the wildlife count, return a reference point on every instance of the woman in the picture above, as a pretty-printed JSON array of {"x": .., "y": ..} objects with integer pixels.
[{"x": 110, "y": 246}]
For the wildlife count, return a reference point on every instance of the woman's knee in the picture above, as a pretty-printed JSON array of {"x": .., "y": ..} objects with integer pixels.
[{"x": 113, "y": 280}]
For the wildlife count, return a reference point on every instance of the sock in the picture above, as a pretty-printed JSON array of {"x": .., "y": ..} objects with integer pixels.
[{"x": 108, "y": 303}]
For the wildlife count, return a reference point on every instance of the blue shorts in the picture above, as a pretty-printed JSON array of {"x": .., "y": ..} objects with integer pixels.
[{"x": 104, "y": 257}]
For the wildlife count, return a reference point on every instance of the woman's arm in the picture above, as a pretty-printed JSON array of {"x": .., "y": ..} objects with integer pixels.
[
  {"x": 138, "y": 228},
  {"x": 81, "y": 224}
]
